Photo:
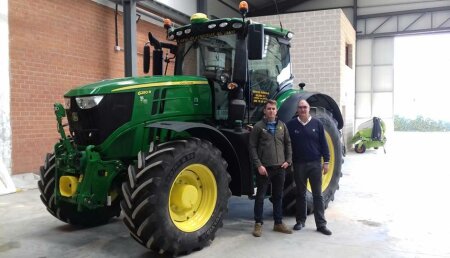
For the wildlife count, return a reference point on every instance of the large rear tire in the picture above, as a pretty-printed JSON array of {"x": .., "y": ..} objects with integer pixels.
[
  {"x": 176, "y": 196},
  {"x": 67, "y": 212},
  {"x": 330, "y": 181}
]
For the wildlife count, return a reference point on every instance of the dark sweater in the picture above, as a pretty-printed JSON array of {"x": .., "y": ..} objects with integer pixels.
[{"x": 308, "y": 141}]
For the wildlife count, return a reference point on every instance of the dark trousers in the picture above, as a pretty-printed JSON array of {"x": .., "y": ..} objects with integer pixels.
[
  {"x": 276, "y": 177},
  {"x": 312, "y": 171}
]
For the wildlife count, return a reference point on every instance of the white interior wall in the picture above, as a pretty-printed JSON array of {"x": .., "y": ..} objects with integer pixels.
[
  {"x": 347, "y": 77},
  {"x": 5, "y": 126},
  {"x": 187, "y": 7},
  {"x": 374, "y": 94}
]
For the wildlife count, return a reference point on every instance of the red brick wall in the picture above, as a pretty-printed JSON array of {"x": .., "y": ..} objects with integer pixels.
[{"x": 56, "y": 45}]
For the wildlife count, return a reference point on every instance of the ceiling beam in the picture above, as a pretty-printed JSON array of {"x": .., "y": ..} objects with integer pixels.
[{"x": 129, "y": 34}]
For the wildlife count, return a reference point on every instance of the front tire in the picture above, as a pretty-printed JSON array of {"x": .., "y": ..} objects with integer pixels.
[
  {"x": 176, "y": 196},
  {"x": 68, "y": 212},
  {"x": 330, "y": 181}
]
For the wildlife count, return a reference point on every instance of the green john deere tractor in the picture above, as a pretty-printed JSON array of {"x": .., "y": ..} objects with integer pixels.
[{"x": 169, "y": 151}]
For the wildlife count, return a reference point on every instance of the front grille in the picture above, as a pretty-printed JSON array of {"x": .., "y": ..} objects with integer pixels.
[{"x": 92, "y": 126}]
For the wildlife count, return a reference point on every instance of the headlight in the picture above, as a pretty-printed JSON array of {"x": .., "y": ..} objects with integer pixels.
[
  {"x": 237, "y": 25},
  {"x": 66, "y": 103},
  {"x": 88, "y": 102}
]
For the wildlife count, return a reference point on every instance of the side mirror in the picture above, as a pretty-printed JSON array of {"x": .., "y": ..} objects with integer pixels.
[
  {"x": 157, "y": 61},
  {"x": 146, "y": 57},
  {"x": 255, "y": 41},
  {"x": 157, "y": 54}
]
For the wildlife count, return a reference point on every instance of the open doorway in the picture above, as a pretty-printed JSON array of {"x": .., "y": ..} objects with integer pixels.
[{"x": 422, "y": 83}]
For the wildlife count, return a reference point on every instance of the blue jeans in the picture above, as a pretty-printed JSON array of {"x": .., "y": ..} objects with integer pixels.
[
  {"x": 276, "y": 177},
  {"x": 312, "y": 171}
]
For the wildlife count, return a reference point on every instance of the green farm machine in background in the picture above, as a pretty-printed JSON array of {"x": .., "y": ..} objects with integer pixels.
[
  {"x": 370, "y": 134},
  {"x": 169, "y": 151}
]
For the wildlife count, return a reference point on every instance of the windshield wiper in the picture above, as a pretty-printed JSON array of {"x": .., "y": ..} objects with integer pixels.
[{"x": 187, "y": 51}]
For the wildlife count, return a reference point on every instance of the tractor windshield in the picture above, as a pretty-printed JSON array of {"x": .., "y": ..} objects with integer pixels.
[
  {"x": 274, "y": 70},
  {"x": 268, "y": 76},
  {"x": 213, "y": 58},
  {"x": 209, "y": 57}
]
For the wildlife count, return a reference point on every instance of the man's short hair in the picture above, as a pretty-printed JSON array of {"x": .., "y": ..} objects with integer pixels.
[
  {"x": 270, "y": 101},
  {"x": 303, "y": 100}
]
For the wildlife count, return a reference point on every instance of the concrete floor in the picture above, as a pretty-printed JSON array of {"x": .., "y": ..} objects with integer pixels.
[{"x": 388, "y": 205}]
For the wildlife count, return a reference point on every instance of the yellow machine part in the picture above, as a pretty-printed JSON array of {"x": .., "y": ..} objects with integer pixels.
[{"x": 68, "y": 185}]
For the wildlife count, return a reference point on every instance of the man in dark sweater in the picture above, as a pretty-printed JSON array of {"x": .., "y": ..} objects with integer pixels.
[
  {"x": 270, "y": 151},
  {"x": 309, "y": 146}
]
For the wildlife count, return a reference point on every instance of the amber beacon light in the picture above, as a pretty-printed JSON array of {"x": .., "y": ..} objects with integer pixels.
[
  {"x": 243, "y": 8},
  {"x": 167, "y": 24}
]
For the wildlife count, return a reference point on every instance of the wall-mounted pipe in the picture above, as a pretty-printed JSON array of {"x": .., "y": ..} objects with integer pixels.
[{"x": 116, "y": 47}]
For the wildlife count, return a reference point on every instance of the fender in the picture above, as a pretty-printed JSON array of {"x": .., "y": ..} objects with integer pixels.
[
  {"x": 218, "y": 139},
  {"x": 288, "y": 108}
]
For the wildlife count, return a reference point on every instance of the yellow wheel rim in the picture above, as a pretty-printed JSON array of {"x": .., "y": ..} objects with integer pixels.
[
  {"x": 68, "y": 185},
  {"x": 326, "y": 179},
  {"x": 192, "y": 198}
]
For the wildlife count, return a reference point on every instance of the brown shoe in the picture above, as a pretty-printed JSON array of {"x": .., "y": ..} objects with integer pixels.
[
  {"x": 282, "y": 228},
  {"x": 257, "y": 232}
]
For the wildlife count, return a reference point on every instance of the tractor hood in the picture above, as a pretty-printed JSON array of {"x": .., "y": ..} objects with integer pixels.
[{"x": 131, "y": 84}]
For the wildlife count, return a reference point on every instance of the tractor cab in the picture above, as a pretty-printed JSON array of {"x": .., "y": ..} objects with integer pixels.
[{"x": 245, "y": 63}]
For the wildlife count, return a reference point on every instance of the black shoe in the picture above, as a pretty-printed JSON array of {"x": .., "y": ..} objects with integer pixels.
[
  {"x": 299, "y": 226},
  {"x": 324, "y": 230}
]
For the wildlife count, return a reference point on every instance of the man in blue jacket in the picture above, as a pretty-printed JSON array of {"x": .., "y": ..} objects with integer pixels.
[{"x": 309, "y": 146}]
